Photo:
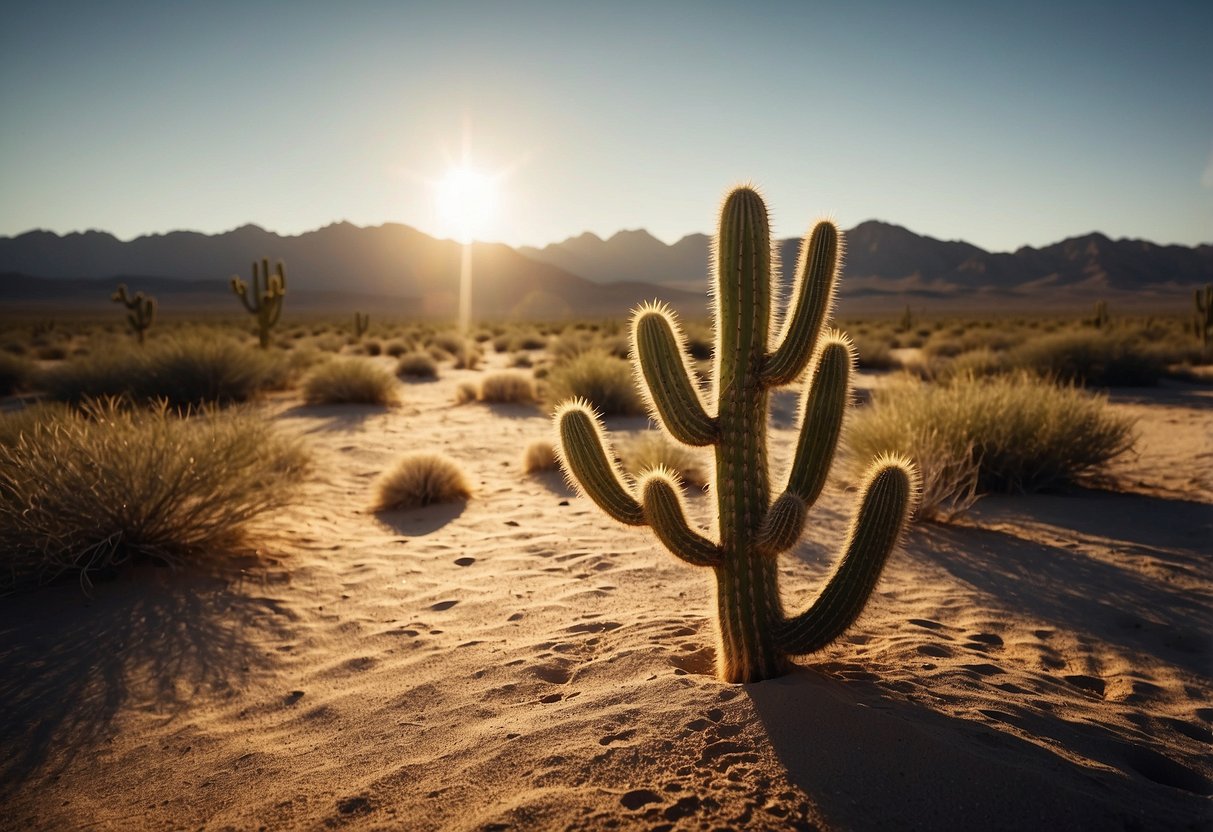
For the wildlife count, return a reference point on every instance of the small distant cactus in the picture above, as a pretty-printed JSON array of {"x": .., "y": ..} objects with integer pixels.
[
  {"x": 265, "y": 301},
  {"x": 756, "y": 637},
  {"x": 141, "y": 310},
  {"x": 361, "y": 324},
  {"x": 1101, "y": 314},
  {"x": 1203, "y": 319},
  {"x": 907, "y": 320}
]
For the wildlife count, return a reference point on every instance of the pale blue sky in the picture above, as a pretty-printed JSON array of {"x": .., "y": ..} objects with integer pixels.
[{"x": 999, "y": 123}]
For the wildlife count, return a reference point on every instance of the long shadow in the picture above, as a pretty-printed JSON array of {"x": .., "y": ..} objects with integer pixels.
[
  {"x": 337, "y": 417},
  {"x": 872, "y": 761},
  {"x": 68, "y": 663},
  {"x": 1184, "y": 394},
  {"x": 418, "y": 522},
  {"x": 1139, "y": 609},
  {"x": 555, "y": 482}
]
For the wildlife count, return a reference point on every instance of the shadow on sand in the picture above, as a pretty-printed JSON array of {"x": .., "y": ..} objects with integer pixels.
[
  {"x": 1133, "y": 595},
  {"x": 337, "y": 417},
  {"x": 418, "y": 522},
  {"x": 839, "y": 741},
  {"x": 68, "y": 663}
]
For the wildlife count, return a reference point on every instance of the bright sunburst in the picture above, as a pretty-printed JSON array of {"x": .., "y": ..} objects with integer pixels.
[{"x": 467, "y": 203}]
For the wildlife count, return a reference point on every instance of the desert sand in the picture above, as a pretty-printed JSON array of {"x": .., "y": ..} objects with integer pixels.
[{"x": 522, "y": 662}]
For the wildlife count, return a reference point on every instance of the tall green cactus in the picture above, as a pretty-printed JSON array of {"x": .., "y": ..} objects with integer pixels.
[
  {"x": 361, "y": 324},
  {"x": 141, "y": 310},
  {"x": 1203, "y": 320},
  {"x": 265, "y": 302},
  {"x": 756, "y": 638}
]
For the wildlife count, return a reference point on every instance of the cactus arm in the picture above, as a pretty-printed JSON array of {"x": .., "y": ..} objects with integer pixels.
[
  {"x": 782, "y": 526},
  {"x": 240, "y": 288},
  {"x": 882, "y": 516},
  {"x": 663, "y": 511},
  {"x": 274, "y": 311},
  {"x": 120, "y": 296},
  {"x": 816, "y": 276},
  {"x": 583, "y": 455},
  {"x": 822, "y": 406},
  {"x": 664, "y": 377}
]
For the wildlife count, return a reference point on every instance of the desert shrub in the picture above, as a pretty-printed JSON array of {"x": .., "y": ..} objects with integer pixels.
[
  {"x": 873, "y": 353},
  {"x": 23, "y": 420},
  {"x": 466, "y": 392},
  {"x": 529, "y": 341},
  {"x": 419, "y": 480},
  {"x": 469, "y": 357},
  {"x": 1023, "y": 433},
  {"x": 1087, "y": 357},
  {"x": 521, "y": 360},
  {"x": 188, "y": 370},
  {"x": 977, "y": 363},
  {"x": 86, "y": 492},
  {"x": 602, "y": 379},
  {"x": 15, "y": 371},
  {"x": 508, "y": 387},
  {"x": 372, "y": 347},
  {"x": 448, "y": 342},
  {"x": 539, "y": 456},
  {"x": 417, "y": 365},
  {"x": 350, "y": 381},
  {"x": 651, "y": 449},
  {"x": 396, "y": 349},
  {"x": 52, "y": 352}
]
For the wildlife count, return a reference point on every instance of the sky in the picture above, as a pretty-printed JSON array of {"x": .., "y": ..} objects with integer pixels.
[{"x": 1000, "y": 123}]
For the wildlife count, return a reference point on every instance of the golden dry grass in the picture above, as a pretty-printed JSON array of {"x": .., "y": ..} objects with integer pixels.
[{"x": 419, "y": 480}]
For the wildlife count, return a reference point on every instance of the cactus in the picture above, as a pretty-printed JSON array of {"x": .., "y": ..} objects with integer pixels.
[
  {"x": 1101, "y": 314},
  {"x": 907, "y": 320},
  {"x": 141, "y": 310},
  {"x": 1203, "y": 319},
  {"x": 361, "y": 324},
  {"x": 265, "y": 303},
  {"x": 756, "y": 638}
]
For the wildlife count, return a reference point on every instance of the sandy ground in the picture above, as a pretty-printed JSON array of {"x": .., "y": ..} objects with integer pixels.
[{"x": 522, "y": 662}]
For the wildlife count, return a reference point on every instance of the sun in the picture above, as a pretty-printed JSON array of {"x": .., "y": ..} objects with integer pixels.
[{"x": 466, "y": 203}]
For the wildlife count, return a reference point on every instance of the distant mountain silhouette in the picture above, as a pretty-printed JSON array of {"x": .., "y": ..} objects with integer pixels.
[
  {"x": 886, "y": 259},
  {"x": 392, "y": 266},
  {"x": 410, "y": 271}
]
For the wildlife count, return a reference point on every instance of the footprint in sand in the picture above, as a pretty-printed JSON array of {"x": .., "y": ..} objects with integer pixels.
[
  {"x": 1091, "y": 684},
  {"x": 1154, "y": 766},
  {"x": 464, "y": 561},
  {"x": 936, "y": 650},
  {"x": 443, "y": 605},
  {"x": 553, "y": 673}
]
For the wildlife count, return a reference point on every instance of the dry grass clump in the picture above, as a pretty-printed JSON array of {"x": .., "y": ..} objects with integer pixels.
[
  {"x": 15, "y": 371},
  {"x": 873, "y": 353},
  {"x": 417, "y": 365},
  {"x": 508, "y": 387},
  {"x": 1021, "y": 432},
  {"x": 419, "y": 480},
  {"x": 186, "y": 370},
  {"x": 651, "y": 449},
  {"x": 351, "y": 381},
  {"x": 469, "y": 357},
  {"x": 1092, "y": 358},
  {"x": 466, "y": 392},
  {"x": 539, "y": 456},
  {"x": 86, "y": 492},
  {"x": 602, "y": 379}
]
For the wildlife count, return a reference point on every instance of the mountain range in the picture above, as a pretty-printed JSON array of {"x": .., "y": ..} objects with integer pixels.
[{"x": 397, "y": 269}]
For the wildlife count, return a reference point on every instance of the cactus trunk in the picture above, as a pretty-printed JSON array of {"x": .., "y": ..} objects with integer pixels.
[{"x": 756, "y": 639}]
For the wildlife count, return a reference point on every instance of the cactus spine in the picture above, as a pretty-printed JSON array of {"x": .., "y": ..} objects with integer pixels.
[
  {"x": 361, "y": 324},
  {"x": 1203, "y": 319},
  {"x": 141, "y": 310},
  {"x": 265, "y": 301},
  {"x": 756, "y": 638}
]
